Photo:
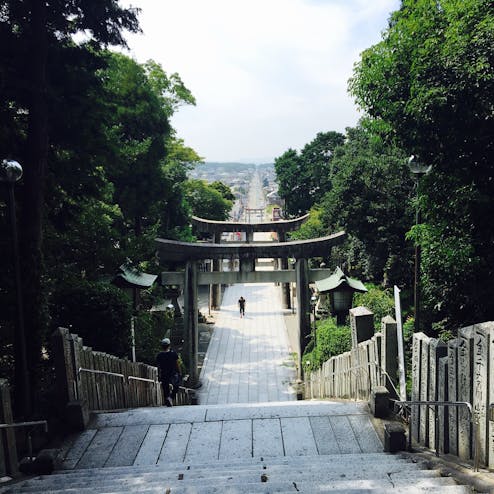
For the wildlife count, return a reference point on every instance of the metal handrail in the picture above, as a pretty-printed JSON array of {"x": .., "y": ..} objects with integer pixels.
[
  {"x": 129, "y": 378},
  {"x": 431, "y": 404},
  {"x": 27, "y": 424},
  {"x": 94, "y": 371},
  {"x": 135, "y": 378},
  {"x": 363, "y": 367}
]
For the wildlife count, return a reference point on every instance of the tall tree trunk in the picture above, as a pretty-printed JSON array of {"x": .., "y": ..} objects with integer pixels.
[{"x": 35, "y": 166}]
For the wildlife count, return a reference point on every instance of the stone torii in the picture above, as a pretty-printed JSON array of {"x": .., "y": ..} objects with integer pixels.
[
  {"x": 189, "y": 254},
  {"x": 280, "y": 227}
]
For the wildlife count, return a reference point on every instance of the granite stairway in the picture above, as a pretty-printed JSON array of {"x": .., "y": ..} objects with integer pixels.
[{"x": 309, "y": 446}]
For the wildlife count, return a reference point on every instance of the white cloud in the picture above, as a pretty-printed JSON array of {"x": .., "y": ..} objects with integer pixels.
[{"x": 267, "y": 74}]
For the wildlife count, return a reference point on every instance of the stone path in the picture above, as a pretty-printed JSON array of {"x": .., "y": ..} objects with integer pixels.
[
  {"x": 248, "y": 359},
  {"x": 151, "y": 436}
]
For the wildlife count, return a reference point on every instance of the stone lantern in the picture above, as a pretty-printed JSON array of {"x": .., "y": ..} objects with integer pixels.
[{"x": 340, "y": 289}]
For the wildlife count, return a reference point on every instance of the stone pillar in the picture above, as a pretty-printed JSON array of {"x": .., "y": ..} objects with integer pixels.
[
  {"x": 191, "y": 321},
  {"x": 490, "y": 424},
  {"x": 362, "y": 325},
  {"x": 465, "y": 390},
  {"x": 437, "y": 350},
  {"x": 452, "y": 394},
  {"x": 442, "y": 395},
  {"x": 481, "y": 363},
  {"x": 303, "y": 311},
  {"x": 424, "y": 391},
  {"x": 285, "y": 287},
  {"x": 8, "y": 447},
  {"x": 420, "y": 384},
  {"x": 389, "y": 357},
  {"x": 216, "y": 289}
]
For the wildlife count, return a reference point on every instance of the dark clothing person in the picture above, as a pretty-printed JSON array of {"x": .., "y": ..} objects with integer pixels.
[
  {"x": 241, "y": 305},
  {"x": 168, "y": 372}
]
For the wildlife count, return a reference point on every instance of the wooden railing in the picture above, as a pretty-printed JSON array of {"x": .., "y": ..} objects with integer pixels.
[
  {"x": 101, "y": 381},
  {"x": 352, "y": 374}
]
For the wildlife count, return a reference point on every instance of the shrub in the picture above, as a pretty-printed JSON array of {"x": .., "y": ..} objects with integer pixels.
[
  {"x": 331, "y": 340},
  {"x": 378, "y": 300}
]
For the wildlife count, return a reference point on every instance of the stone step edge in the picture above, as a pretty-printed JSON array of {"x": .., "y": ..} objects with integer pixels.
[
  {"x": 396, "y": 475},
  {"x": 275, "y": 460},
  {"x": 257, "y": 487}
]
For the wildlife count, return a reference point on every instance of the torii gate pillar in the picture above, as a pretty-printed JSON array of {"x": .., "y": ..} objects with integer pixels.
[
  {"x": 285, "y": 287},
  {"x": 303, "y": 309},
  {"x": 216, "y": 289},
  {"x": 191, "y": 322}
]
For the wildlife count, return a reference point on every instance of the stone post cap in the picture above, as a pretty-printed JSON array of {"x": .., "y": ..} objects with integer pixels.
[
  {"x": 388, "y": 320},
  {"x": 361, "y": 311}
]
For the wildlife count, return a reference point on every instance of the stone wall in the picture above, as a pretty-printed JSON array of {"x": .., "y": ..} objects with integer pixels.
[{"x": 460, "y": 370}]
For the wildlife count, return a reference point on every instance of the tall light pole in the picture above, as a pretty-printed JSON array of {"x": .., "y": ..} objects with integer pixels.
[
  {"x": 10, "y": 173},
  {"x": 418, "y": 170},
  {"x": 313, "y": 303}
]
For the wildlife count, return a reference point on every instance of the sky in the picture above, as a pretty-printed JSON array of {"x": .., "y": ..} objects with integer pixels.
[{"x": 267, "y": 75}]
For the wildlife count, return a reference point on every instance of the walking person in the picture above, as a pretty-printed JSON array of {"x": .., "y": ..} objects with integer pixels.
[
  {"x": 168, "y": 371},
  {"x": 241, "y": 305}
]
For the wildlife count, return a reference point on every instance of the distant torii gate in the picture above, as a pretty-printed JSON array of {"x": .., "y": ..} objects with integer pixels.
[
  {"x": 190, "y": 253},
  {"x": 216, "y": 228}
]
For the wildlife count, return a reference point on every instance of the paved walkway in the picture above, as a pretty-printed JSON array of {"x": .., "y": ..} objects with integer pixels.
[
  {"x": 248, "y": 359},
  {"x": 161, "y": 435}
]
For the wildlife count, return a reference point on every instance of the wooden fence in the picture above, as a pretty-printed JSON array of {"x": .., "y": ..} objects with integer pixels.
[
  {"x": 352, "y": 374},
  {"x": 105, "y": 382}
]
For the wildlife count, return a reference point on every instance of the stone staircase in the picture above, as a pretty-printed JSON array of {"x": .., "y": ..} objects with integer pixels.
[{"x": 309, "y": 446}]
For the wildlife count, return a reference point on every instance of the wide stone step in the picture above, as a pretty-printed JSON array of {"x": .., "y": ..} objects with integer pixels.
[
  {"x": 211, "y": 413},
  {"x": 442, "y": 486},
  {"x": 322, "y": 461},
  {"x": 332, "y": 472},
  {"x": 127, "y": 480}
]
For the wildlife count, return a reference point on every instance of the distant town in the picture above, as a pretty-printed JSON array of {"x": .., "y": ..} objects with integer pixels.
[{"x": 238, "y": 176}]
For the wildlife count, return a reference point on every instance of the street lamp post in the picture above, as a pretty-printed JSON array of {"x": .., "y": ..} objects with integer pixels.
[
  {"x": 418, "y": 170},
  {"x": 313, "y": 302},
  {"x": 10, "y": 173}
]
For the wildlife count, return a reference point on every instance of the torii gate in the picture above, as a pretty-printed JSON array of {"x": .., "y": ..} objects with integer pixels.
[
  {"x": 191, "y": 253},
  {"x": 216, "y": 228}
]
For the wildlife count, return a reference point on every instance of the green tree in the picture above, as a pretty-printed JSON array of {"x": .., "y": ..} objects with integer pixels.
[
  {"x": 224, "y": 190},
  {"x": 430, "y": 83},
  {"x": 370, "y": 200},
  {"x": 175, "y": 211},
  {"x": 36, "y": 34},
  {"x": 206, "y": 202},
  {"x": 304, "y": 178},
  {"x": 288, "y": 171}
]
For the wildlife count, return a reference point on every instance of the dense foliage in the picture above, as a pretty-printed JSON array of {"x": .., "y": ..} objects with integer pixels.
[
  {"x": 104, "y": 173},
  {"x": 304, "y": 178},
  {"x": 427, "y": 91},
  {"x": 430, "y": 82},
  {"x": 331, "y": 340}
]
